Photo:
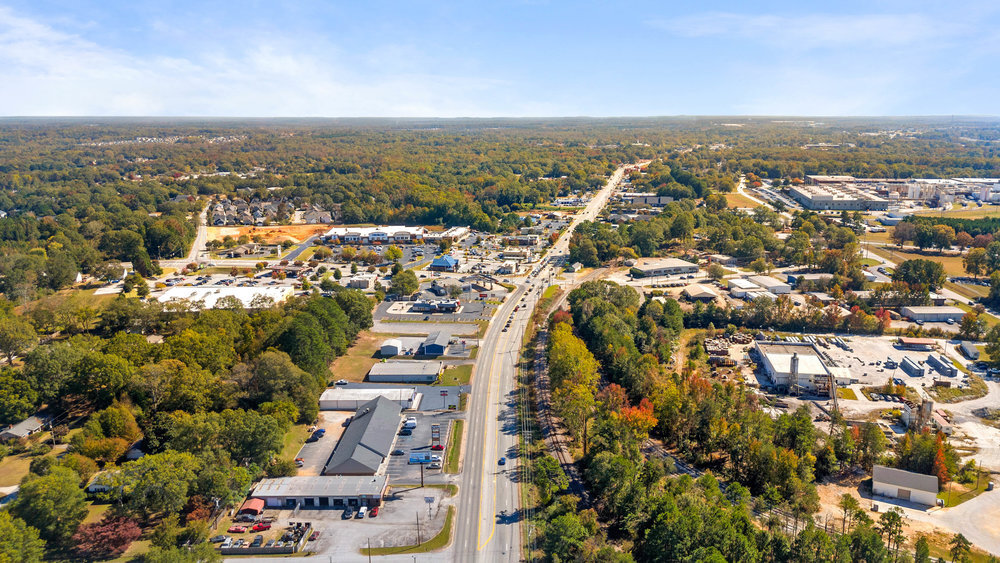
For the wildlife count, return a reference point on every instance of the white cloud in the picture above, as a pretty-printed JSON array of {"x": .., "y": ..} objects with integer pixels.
[{"x": 49, "y": 72}]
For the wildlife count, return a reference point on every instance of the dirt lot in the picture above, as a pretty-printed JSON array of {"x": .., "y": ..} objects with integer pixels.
[{"x": 271, "y": 234}]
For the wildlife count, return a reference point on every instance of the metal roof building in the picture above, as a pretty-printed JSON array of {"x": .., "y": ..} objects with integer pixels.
[
  {"x": 436, "y": 344},
  {"x": 665, "y": 267},
  {"x": 351, "y": 398},
  {"x": 904, "y": 485},
  {"x": 932, "y": 313},
  {"x": 405, "y": 371},
  {"x": 391, "y": 347},
  {"x": 366, "y": 443},
  {"x": 322, "y": 492}
]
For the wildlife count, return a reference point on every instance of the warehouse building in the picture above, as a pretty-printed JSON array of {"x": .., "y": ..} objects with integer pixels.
[
  {"x": 837, "y": 197},
  {"x": 351, "y": 399},
  {"x": 391, "y": 347},
  {"x": 740, "y": 287},
  {"x": 970, "y": 350},
  {"x": 773, "y": 285},
  {"x": 700, "y": 292},
  {"x": 368, "y": 440},
  {"x": 666, "y": 267},
  {"x": 794, "y": 366},
  {"x": 322, "y": 492},
  {"x": 405, "y": 371},
  {"x": 904, "y": 485},
  {"x": 816, "y": 278},
  {"x": 435, "y": 345},
  {"x": 931, "y": 313}
]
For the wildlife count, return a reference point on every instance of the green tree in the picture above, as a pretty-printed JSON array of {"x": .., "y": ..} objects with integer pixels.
[
  {"x": 54, "y": 504},
  {"x": 17, "y": 397},
  {"x": 101, "y": 377},
  {"x": 961, "y": 549},
  {"x": 19, "y": 543},
  {"x": 405, "y": 283},
  {"x": 154, "y": 484},
  {"x": 922, "y": 551},
  {"x": 848, "y": 506},
  {"x": 920, "y": 272},
  {"x": 974, "y": 261},
  {"x": 393, "y": 253},
  {"x": 16, "y": 336}
]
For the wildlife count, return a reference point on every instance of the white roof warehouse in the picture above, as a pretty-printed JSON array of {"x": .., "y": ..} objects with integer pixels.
[{"x": 322, "y": 492}]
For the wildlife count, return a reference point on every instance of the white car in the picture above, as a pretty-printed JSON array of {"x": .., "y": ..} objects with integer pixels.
[{"x": 340, "y": 382}]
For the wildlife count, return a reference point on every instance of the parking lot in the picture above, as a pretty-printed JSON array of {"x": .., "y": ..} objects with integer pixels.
[
  {"x": 315, "y": 454},
  {"x": 400, "y": 470}
]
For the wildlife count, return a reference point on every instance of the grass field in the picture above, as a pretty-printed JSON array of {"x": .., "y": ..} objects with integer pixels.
[
  {"x": 456, "y": 375},
  {"x": 957, "y": 493},
  {"x": 990, "y": 319},
  {"x": 846, "y": 393},
  {"x": 963, "y": 212},
  {"x": 739, "y": 200},
  {"x": 293, "y": 441},
  {"x": 977, "y": 388},
  {"x": 952, "y": 262},
  {"x": 354, "y": 365},
  {"x": 454, "y": 453},
  {"x": 869, "y": 262},
  {"x": 442, "y": 539},
  {"x": 969, "y": 291}
]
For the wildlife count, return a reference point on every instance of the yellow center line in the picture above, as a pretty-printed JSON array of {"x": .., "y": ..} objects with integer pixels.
[{"x": 496, "y": 442}]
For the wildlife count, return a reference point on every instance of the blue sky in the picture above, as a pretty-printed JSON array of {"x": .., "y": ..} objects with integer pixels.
[{"x": 468, "y": 58}]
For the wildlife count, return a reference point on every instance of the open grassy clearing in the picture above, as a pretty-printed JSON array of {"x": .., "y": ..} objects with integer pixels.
[
  {"x": 955, "y": 494},
  {"x": 454, "y": 453},
  {"x": 977, "y": 388},
  {"x": 293, "y": 441},
  {"x": 968, "y": 291},
  {"x": 456, "y": 375},
  {"x": 962, "y": 212},
  {"x": 846, "y": 393},
  {"x": 735, "y": 199},
  {"x": 952, "y": 262},
  {"x": 354, "y": 365}
]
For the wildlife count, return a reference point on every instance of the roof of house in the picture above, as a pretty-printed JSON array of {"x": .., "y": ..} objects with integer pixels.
[
  {"x": 741, "y": 283},
  {"x": 905, "y": 479},
  {"x": 25, "y": 427},
  {"x": 342, "y": 486},
  {"x": 368, "y": 439}
]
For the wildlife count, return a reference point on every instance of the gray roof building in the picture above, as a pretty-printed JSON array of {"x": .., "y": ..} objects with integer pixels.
[
  {"x": 436, "y": 344},
  {"x": 405, "y": 371},
  {"x": 904, "y": 485},
  {"x": 367, "y": 441},
  {"x": 23, "y": 429},
  {"x": 321, "y": 492}
]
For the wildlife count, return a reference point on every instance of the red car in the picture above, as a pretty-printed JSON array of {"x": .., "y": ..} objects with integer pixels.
[
  {"x": 373, "y": 512},
  {"x": 260, "y": 526},
  {"x": 314, "y": 536},
  {"x": 437, "y": 447},
  {"x": 237, "y": 529}
]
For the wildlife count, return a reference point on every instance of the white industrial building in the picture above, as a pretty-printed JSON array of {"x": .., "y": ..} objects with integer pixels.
[
  {"x": 904, "y": 485},
  {"x": 208, "y": 297},
  {"x": 322, "y": 492},
  {"x": 700, "y": 292},
  {"x": 795, "y": 365},
  {"x": 932, "y": 313},
  {"x": 665, "y": 267},
  {"x": 739, "y": 287},
  {"x": 349, "y": 399},
  {"x": 405, "y": 371},
  {"x": 773, "y": 285},
  {"x": 391, "y": 347},
  {"x": 837, "y": 197}
]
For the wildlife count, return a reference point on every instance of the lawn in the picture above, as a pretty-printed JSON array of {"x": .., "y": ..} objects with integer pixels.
[
  {"x": 990, "y": 319},
  {"x": 72, "y": 299},
  {"x": 957, "y": 493},
  {"x": 952, "y": 262},
  {"x": 437, "y": 542},
  {"x": 968, "y": 291},
  {"x": 963, "y": 212},
  {"x": 739, "y": 200},
  {"x": 293, "y": 441},
  {"x": 847, "y": 393},
  {"x": 869, "y": 262},
  {"x": 983, "y": 356},
  {"x": 456, "y": 375},
  {"x": 454, "y": 452},
  {"x": 354, "y": 365},
  {"x": 977, "y": 388}
]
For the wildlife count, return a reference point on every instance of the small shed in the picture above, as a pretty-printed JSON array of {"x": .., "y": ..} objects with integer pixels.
[
  {"x": 904, "y": 485},
  {"x": 391, "y": 347},
  {"x": 253, "y": 506},
  {"x": 970, "y": 350}
]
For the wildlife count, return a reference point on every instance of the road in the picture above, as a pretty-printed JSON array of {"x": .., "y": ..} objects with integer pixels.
[
  {"x": 197, "y": 247},
  {"x": 489, "y": 516}
]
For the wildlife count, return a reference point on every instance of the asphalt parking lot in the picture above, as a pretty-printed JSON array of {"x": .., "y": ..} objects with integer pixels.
[
  {"x": 399, "y": 468},
  {"x": 315, "y": 454}
]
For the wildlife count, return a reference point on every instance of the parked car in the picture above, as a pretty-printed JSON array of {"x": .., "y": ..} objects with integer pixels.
[
  {"x": 406, "y": 432},
  {"x": 374, "y": 511},
  {"x": 340, "y": 382},
  {"x": 217, "y": 539},
  {"x": 270, "y": 543},
  {"x": 435, "y": 465},
  {"x": 362, "y": 512},
  {"x": 228, "y": 542},
  {"x": 237, "y": 529},
  {"x": 258, "y": 540},
  {"x": 299, "y": 462},
  {"x": 260, "y": 526},
  {"x": 398, "y": 452},
  {"x": 437, "y": 447},
  {"x": 314, "y": 536},
  {"x": 348, "y": 513}
]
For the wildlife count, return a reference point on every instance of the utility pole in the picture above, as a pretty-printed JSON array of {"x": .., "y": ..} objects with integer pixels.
[
  {"x": 418, "y": 527},
  {"x": 369, "y": 550},
  {"x": 421, "y": 475}
]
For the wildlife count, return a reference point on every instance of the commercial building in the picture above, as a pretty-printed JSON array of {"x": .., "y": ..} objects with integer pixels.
[
  {"x": 723, "y": 259},
  {"x": 391, "y": 347},
  {"x": 795, "y": 366},
  {"x": 816, "y": 278},
  {"x": 208, "y": 297},
  {"x": 700, "y": 292},
  {"x": 837, "y": 197},
  {"x": 368, "y": 440},
  {"x": 446, "y": 263},
  {"x": 22, "y": 429},
  {"x": 740, "y": 287},
  {"x": 519, "y": 254},
  {"x": 771, "y": 284},
  {"x": 322, "y": 492},
  {"x": 361, "y": 281},
  {"x": 405, "y": 371},
  {"x": 352, "y": 398},
  {"x": 433, "y": 306},
  {"x": 375, "y": 235},
  {"x": 932, "y": 313},
  {"x": 436, "y": 344},
  {"x": 904, "y": 485},
  {"x": 665, "y": 267},
  {"x": 969, "y": 350}
]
